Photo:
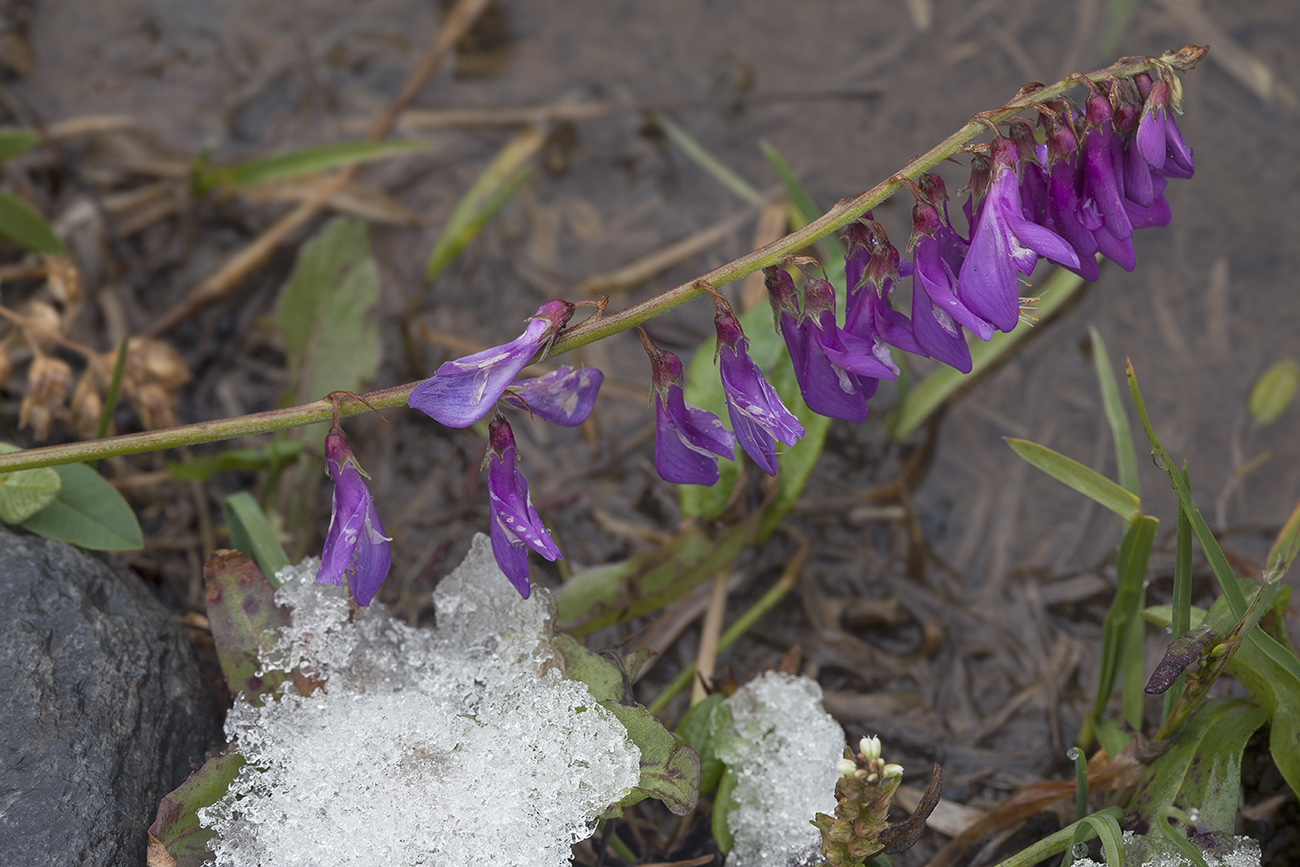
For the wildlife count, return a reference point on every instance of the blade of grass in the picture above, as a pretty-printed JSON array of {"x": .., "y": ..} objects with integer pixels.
[
  {"x": 1181, "y": 605},
  {"x": 803, "y": 210},
  {"x": 1083, "y": 479},
  {"x": 1223, "y": 573},
  {"x": 700, "y": 155},
  {"x": 304, "y": 161},
  {"x": 1125, "y": 453}
]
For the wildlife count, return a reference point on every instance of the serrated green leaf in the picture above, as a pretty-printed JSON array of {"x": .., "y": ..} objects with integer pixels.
[
  {"x": 326, "y": 313},
  {"x": 177, "y": 824},
  {"x": 16, "y": 141},
  {"x": 1083, "y": 479},
  {"x": 929, "y": 394},
  {"x": 696, "y": 728},
  {"x": 23, "y": 493},
  {"x": 305, "y": 161},
  {"x": 253, "y": 534},
  {"x": 489, "y": 192},
  {"x": 26, "y": 228},
  {"x": 1274, "y": 392},
  {"x": 272, "y": 455},
  {"x": 88, "y": 513},
  {"x": 244, "y": 617},
  {"x": 1116, "y": 416},
  {"x": 670, "y": 769},
  {"x": 1202, "y": 767}
]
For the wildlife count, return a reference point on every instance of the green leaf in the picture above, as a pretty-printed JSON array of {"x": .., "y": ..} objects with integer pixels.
[
  {"x": 670, "y": 769},
  {"x": 16, "y": 141},
  {"x": 1202, "y": 767},
  {"x": 88, "y": 513},
  {"x": 492, "y": 189},
  {"x": 1284, "y": 549},
  {"x": 1116, "y": 416},
  {"x": 326, "y": 312},
  {"x": 177, "y": 823},
  {"x": 252, "y": 533},
  {"x": 946, "y": 383},
  {"x": 26, "y": 228},
  {"x": 269, "y": 457},
  {"x": 607, "y": 679},
  {"x": 1223, "y": 573},
  {"x": 1273, "y": 392},
  {"x": 244, "y": 618},
  {"x": 696, "y": 728},
  {"x": 1083, "y": 479},
  {"x": 23, "y": 493},
  {"x": 297, "y": 163},
  {"x": 1103, "y": 825},
  {"x": 723, "y": 803}
]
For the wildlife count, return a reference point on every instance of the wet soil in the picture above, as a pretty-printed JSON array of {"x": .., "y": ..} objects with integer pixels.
[{"x": 998, "y": 577}]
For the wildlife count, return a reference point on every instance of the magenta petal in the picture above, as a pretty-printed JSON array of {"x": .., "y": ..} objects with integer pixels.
[
  {"x": 356, "y": 548},
  {"x": 515, "y": 523},
  {"x": 688, "y": 441}
]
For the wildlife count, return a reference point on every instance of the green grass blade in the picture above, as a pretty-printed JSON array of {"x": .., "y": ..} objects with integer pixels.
[
  {"x": 1116, "y": 416},
  {"x": 252, "y": 533},
  {"x": 1083, "y": 479},
  {"x": 297, "y": 163},
  {"x": 700, "y": 155}
]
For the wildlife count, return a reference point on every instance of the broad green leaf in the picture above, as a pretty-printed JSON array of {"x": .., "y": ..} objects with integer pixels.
[
  {"x": 670, "y": 769},
  {"x": 696, "y": 728},
  {"x": 609, "y": 679},
  {"x": 16, "y": 141},
  {"x": 645, "y": 583},
  {"x": 327, "y": 310},
  {"x": 26, "y": 228},
  {"x": 297, "y": 163},
  {"x": 177, "y": 823},
  {"x": 244, "y": 617},
  {"x": 252, "y": 533},
  {"x": 1083, "y": 479},
  {"x": 1202, "y": 767},
  {"x": 23, "y": 493},
  {"x": 271, "y": 456},
  {"x": 492, "y": 189},
  {"x": 1116, "y": 416},
  {"x": 1273, "y": 392},
  {"x": 1223, "y": 573},
  {"x": 927, "y": 396},
  {"x": 88, "y": 513}
]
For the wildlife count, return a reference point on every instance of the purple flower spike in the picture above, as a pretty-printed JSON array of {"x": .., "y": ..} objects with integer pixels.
[
  {"x": 464, "y": 390},
  {"x": 355, "y": 546},
  {"x": 688, "y": 440},
  {"x": 515, "y": 524},
  {"x": 757, "y": 415},
  {"x": 1002, "y": 243},
  {"x": 564, "y": 396}
]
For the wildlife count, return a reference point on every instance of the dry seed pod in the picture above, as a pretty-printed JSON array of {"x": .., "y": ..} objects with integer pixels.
[
  {"x": 86, "y": 405},
  {"x": 43, "y": 324},
  {"x": 153, "y": 403},
  {"x": 158, "y": 360},
  {"x": 47, "y": 388}
]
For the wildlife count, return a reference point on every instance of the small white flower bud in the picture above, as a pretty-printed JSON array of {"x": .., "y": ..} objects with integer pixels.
[
  {"x": 891, "y": 771},
  {"x": 869, "y": 747},
  {"x": 846, "y": 767}
]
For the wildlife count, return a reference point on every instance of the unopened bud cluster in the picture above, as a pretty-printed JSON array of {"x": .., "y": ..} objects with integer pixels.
[{"x": 863, "y": 795}]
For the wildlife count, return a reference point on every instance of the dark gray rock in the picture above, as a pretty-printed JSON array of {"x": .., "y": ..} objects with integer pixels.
[{"x": 102, "y": 709}]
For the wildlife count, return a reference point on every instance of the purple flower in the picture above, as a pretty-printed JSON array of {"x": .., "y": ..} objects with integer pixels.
[
  {"x": 355, "y": 546},
  {"x": 515, "y": 524},
  {"x": 688, "y": 440},
  {"x": 937, "y": 313},
  {"x": 871, "y": 266},
  {"x": 564, "y": 396},
  {"x": 1002, "y": 243},
  {"x": 757, "y": 415},
  {"x": 1159, "y": 141},
  {"x": 811, "y": 337},
  {"x": 463, "y": 391}
]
